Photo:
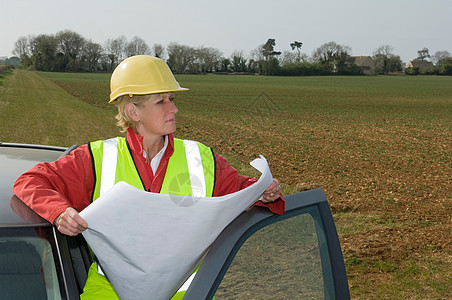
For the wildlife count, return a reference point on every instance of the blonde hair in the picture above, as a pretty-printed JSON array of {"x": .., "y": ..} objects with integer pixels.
[{"x": 124, "y": 122}]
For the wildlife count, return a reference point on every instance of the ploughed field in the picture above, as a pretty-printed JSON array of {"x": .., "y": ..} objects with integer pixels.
[{"x": 379, "y": 147}]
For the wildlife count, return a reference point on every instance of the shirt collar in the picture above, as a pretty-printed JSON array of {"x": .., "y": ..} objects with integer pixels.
[
  {"x": 160, "y": 153},
  {"x": 135, "y": 142}
]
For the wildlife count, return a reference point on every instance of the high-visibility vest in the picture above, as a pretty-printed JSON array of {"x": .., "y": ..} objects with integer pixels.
[{"x": 190, "y": 172}]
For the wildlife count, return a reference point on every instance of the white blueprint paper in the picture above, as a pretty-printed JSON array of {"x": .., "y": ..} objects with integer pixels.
[{"x": 148, "y": 244}]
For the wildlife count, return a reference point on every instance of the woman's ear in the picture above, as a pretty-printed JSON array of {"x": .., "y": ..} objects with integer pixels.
[{"x": 131, "y": 111}]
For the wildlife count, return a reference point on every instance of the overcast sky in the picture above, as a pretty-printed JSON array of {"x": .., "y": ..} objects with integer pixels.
[{"x": 363, "y": 25}]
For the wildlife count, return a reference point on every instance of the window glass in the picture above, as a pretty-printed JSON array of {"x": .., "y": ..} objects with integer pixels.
[
  {"x": 280, "y": 261},
  {"x": 27, "y": 264}
]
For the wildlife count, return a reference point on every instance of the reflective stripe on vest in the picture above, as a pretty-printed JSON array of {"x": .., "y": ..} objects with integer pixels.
[
  {"x": 191, "y": 170},
  {"x": 107, "y": 156},
  {"x": 109, "y": 165}
]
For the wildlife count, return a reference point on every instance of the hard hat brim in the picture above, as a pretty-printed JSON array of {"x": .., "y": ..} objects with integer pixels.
[{"x": 118, "y": 93}]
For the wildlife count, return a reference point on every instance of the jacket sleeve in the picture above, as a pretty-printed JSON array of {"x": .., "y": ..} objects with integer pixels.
[
  {"x": 228, "y": 181},
  {"x": 50, "y": 188}
]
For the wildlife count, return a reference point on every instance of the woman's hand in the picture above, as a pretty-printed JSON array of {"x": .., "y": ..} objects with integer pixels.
[
  {"x": 272, "y": 193},
  {"x": 70, "y": 222}
]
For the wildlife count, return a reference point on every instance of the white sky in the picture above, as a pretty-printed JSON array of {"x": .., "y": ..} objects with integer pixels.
[{"x": 364, "y": 25}]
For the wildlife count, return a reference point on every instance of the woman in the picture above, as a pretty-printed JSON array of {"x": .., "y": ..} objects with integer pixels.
[{"x": 149, "y": 158}]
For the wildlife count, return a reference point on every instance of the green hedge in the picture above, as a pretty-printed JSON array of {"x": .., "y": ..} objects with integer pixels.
[{"x": 5, "y": 68}]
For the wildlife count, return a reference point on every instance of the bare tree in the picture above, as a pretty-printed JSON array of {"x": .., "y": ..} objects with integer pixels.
[
  {"x": 256, "y": 54},
  {"x": 256, "y": 59},
  {"x": 439, "y": 57},
  {"x": 385, "y": 50},
  {"x": 381, "y": 59},
  {"x": 114, "y": 49},
  {"x": 21, "y": 48},
  {"x": 385, "y": 61},
  {"x": 291, "y": 57},
  {"x": 180, "y": 57},
  {"x": 137, "y": 46},
  {"x": 92, "y": 53},
  {"x": 159, "y": 51},
  {"x": 208, "y": 58},
  {"x": 288, "y": 57}
]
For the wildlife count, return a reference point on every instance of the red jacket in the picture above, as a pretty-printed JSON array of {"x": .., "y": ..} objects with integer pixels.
[{"x": 50, "y": 188}]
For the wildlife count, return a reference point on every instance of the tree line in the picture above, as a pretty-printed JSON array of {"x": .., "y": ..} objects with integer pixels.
[{"x": 68, "y": 51}]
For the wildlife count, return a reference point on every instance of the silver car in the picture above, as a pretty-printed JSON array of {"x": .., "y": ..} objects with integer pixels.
[{"x": 259, "y": 255}]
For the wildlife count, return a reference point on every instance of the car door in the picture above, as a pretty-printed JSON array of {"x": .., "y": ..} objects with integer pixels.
[{"x": 261, "y": 255}]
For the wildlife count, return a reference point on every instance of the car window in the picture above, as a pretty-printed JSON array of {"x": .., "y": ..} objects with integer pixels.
[
  {"x": 28, "y": 269},
  {"x": 281, "y": 261}
]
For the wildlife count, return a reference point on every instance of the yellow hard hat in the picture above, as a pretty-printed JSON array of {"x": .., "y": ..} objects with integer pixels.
[{"x": 142, "y": 75}]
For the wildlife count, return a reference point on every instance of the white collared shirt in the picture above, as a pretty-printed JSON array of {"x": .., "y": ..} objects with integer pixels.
[{"x": 155, "y": 161}]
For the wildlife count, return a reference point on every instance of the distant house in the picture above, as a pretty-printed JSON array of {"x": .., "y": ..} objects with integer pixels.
[
  {"x": 422, "y": 65},
  {"x": 365, "y": 63}
]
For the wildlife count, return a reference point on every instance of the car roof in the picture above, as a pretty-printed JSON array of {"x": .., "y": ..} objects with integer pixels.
[{"x": 16, "y": 159}]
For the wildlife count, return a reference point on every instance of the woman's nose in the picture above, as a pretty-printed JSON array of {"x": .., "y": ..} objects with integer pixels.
[{"x": 173, "y": 107}]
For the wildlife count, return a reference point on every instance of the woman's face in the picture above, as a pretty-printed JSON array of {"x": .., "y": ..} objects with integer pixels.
[{"x": 157, "y": 116}]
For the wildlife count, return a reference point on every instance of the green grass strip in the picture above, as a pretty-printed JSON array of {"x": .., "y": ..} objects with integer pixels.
[{"x": 43, "y": 113}]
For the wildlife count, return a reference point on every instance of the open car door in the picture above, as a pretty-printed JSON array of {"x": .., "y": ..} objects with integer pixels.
[{"x": 261, "y": 255}]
